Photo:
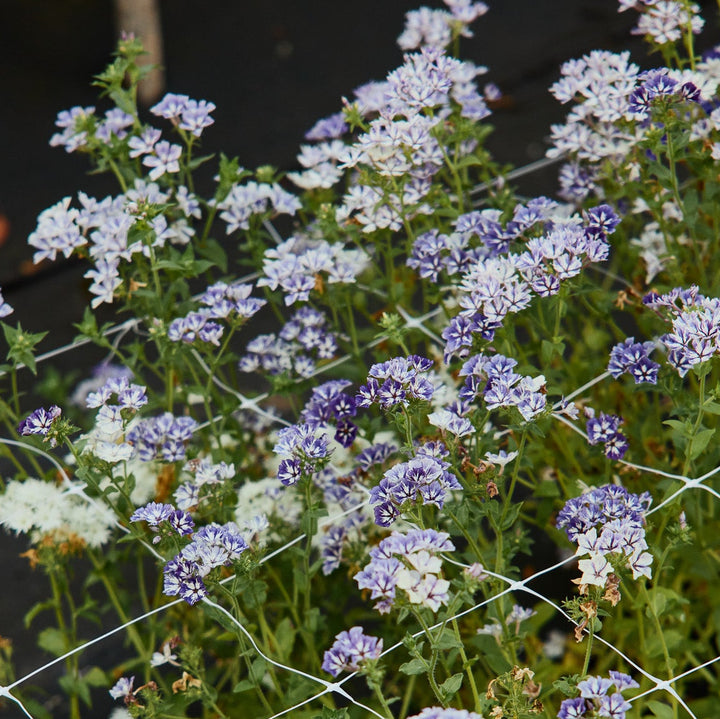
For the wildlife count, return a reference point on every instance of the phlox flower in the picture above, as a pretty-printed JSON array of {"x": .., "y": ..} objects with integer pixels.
[
  {"x": 195, "y": 116},
  {"x": 350, "y": 651},
  {"x": 424, "y": 479},
  {"x": 164, "y": 159},
  {"x": 123, "y": 688},
  {"x": 212, "y": 546},
  {"x": 171, "y": 106},
  {"x": 40, "y": 422},
  {"x": 163, "y": 437},
  {"x": 607, "y": 521},
  {"x": 450, "y": 422},
  {"x": 253, "y": 198},
  {"x": 407, "y": 562}
]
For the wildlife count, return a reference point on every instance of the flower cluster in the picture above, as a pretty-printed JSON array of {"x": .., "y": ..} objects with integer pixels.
[
  {"x": 43, "y": 509},
  {"x": 446, "y": 713},
  {"x": 594, "y": 699},
  {"x": 220, "y": 301},
  {"x": 408, "y": 562},
  {"x": 300, "y": 265},
  {"x": 399, "y": 146},
  {"x": 695, "y": 334},
  {"x": 605, "y": 522},
  {"x": 303, "y": 340},
  {"x": 161, "y": 516},
  {"x": 115, "y": 229},
  {"x": 613, "y": 102},
  {"x": 397, "y": 382},
  {"x": 605, "y": 430},
  {"x": 107, "y": 439},
  {"x": 303, "y": 451},
  {"x": 494, "y": 282},
  {"x": 212, "y": 546},
  {"x": 424, "y": 479},
  {"x": 162, "y": 437},
  {"x": 329, "y": 404},
  {"x": 436, "y": 28},
  {"x": 665, "y": 21},
  {"x": 373, "y": 455},
  {"x": 350, "y": 651},
  {"x": 501, "y": 386},
  {"x": 658, "y": 84},
  {"x": 634, "y": 358},
  {"x": 193, "y": 116},
  {"x": 254, "y": 198},
  {"x": 205, "y": 476}
]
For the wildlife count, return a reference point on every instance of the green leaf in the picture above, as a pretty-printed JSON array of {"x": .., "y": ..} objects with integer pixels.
[
  {"x": 243, "y": 686},
  {"x": 285, "y": 636},
  {"x": 52, "y": 640},
  {"x": 447, "y": 640},
  {"x": 95, "y": 677},
  {"x": 711, "y": 407},
  {"x": 214, "y": 252},
  {"x": 451, "y": 686},
  {"x": 414, "y": 666},
  {"x": 257, "y": 670},
  {"x": 660, "y": 710},
  {"x": 328, "y": 713},
  {"x": 681, "y": 427},
  {"x": 75, "y": 685},
  {"x": 221, "y": 618},
  {"x": 700, "y": 442},
  {"x": 548, "y": 489},
  {"x": 39, "y": 607},
  {"x": 511, "y": 516},
  {"x": 22, "y": 345},
  {"x": 492, "y": 654}
]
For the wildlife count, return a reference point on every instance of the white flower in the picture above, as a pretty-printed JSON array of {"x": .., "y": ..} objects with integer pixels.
[
  {"x": 595, "y": 570},
  {"x": 41, "y": 508},
  {"x": 502, "y": 457}
]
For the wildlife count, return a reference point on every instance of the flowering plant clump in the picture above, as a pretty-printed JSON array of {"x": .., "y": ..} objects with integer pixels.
[{"x": 328, "y": 472}]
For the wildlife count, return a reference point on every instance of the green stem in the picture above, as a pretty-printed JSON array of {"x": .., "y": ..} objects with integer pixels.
[
  {"x": 117, "y": 605},
  {"x": 661, "y": 636},
  {"x": 514, "y": 477},
  {"x": 433, "y": 661},
  {"x": 466, "y": 666},
  {"x": 696, "y": 427},
  {"x": 377, "y": 690},
  {"x": 407, "y": 696},
  {"x": 71, "y": 662}
]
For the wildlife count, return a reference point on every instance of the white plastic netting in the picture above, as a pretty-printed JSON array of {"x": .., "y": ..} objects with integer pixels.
[{"x": 513, "y": 586}]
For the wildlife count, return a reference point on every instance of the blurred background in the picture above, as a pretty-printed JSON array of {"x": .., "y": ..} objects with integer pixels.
[{"x": 272, "y": 67}]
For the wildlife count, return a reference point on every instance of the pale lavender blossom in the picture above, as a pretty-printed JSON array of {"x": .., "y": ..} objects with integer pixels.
[
  {"x": 144, "y": 143},
  {"x": 5, "y": 308},
  {"x": 123, "y": 688},
  {"x": 164, "y": 159},
  {"x": 407, "y": 562},
  {"x": 350, "y": 651},
  {"x": 171, "y": 106},
  {"x": 195, "y": 116}
]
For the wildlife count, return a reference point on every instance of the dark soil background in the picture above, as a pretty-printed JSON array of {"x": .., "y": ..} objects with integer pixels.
[{"x": 272, "y": 67}]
